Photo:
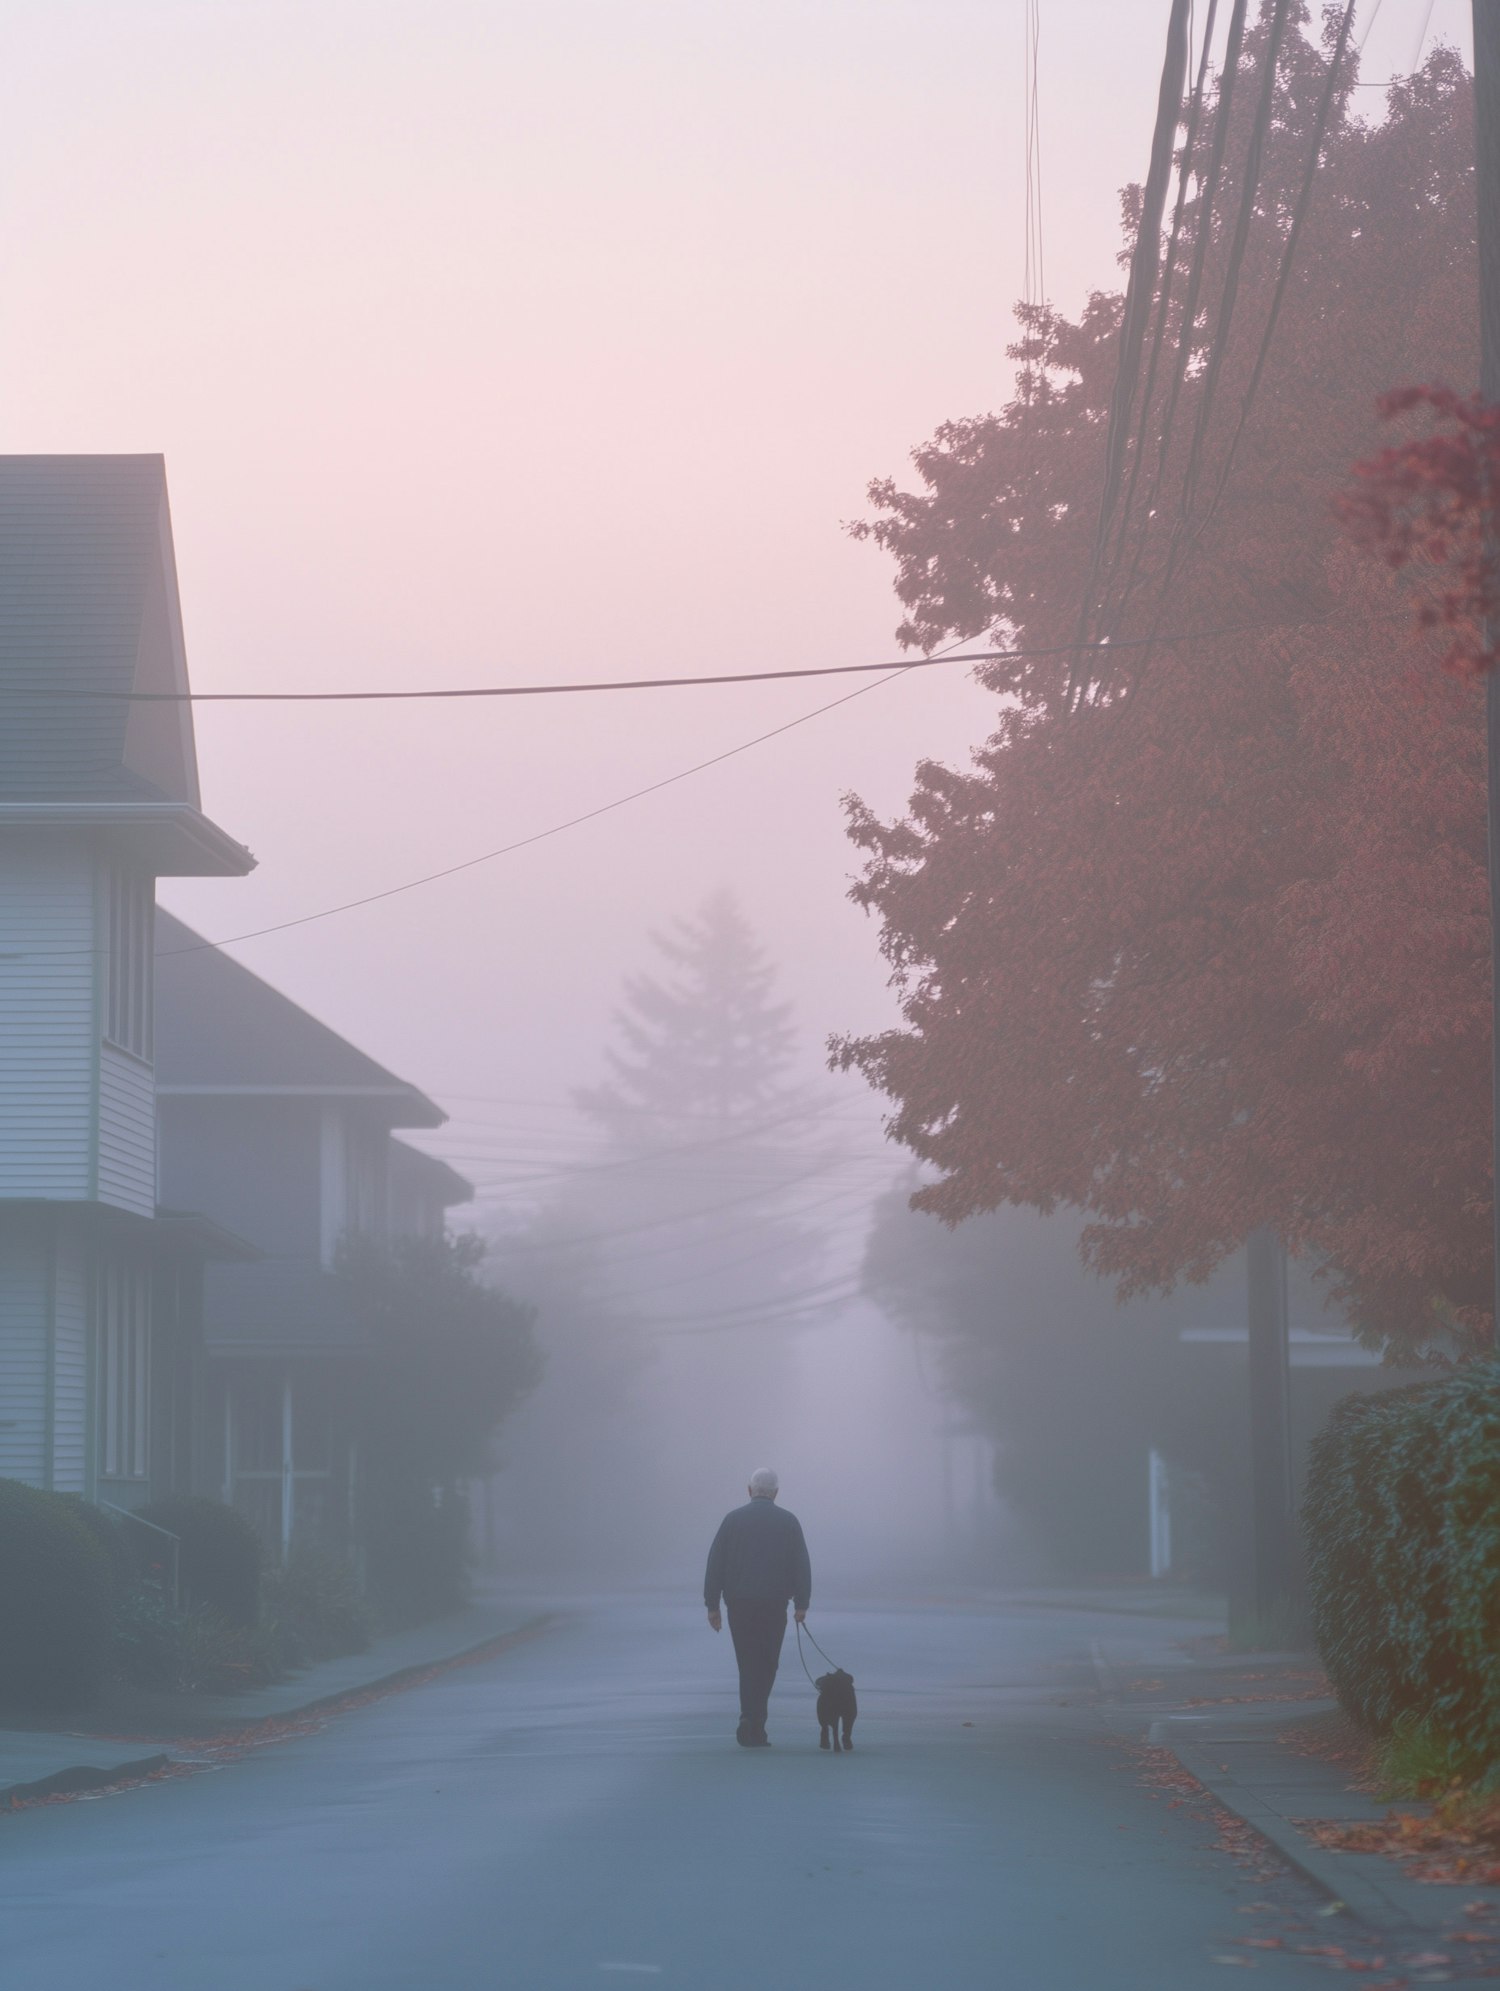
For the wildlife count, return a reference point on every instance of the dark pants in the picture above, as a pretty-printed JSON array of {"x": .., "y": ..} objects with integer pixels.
[{"x": 757, "y": 1629}]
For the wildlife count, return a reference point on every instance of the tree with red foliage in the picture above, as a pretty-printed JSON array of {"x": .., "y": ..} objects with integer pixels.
[
  {"x": 1208, "y": 949},
  {"x": 1428, "y": 501}
]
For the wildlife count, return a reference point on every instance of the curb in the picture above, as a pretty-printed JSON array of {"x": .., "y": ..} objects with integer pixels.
[
  {"x": 1358, "y": 1882},
  {"x": 86, "y": 1776},
  {"x": 80, "y": 1777},
  {"x": 526, "y": 1629}
]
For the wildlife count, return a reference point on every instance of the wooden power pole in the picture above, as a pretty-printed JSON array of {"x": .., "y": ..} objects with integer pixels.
[
  {"x": 1273, "y": 1542},
  {"x": 1487, "y": 179}
]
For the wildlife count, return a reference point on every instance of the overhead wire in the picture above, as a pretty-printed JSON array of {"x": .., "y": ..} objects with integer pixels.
[
  {"x": 1288, "y": 255},
  {"x": 661, "y": 1154},
  {"x": 1163, "y": 307},
  {"x": 1416, "y": 54},
  {"x": 1229, "y": 292},
  {"x": 1140, "y": 292},
  {"x": 661, "y": 1223},
  {"x": 1207, "y": 201},
  {"x": 537, "y": 836},
  {"x": 857, "y": 1198}
]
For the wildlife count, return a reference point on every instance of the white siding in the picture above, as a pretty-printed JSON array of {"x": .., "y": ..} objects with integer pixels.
[
  {"x": 24, "y": 1253},
  {"x": 127, "y": 1132},
  {"x": 70, "y": 1371},
  {"x": 48, "y": 1026}
]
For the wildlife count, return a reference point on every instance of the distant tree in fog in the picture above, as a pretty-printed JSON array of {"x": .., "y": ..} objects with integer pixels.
[
  {"x": 1073, "y": 1390},
  {"x": 447, "y": 1359},
  {"x": 1205, "y": 948},
  {"x": 703, "y": 1039},
  {"x": 674, "y": 1267}
]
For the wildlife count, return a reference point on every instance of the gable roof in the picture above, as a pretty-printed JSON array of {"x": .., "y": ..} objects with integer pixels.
[
  {"x": 221, "y": 1029},
  {"x": 88, "y": 606}
]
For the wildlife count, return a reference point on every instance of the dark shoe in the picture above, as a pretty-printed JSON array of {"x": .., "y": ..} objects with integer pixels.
[
  {"x": 743, "y": 1736},
  {"x": 760, "y": 1740}
]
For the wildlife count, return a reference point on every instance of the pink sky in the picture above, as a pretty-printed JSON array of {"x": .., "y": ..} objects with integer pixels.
[{"x": 489, "y": 342}]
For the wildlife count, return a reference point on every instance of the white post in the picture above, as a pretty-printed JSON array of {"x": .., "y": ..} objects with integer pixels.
[
  {"x": 288, "y": 1482},
  {"x": 1161, "y": 1514}
]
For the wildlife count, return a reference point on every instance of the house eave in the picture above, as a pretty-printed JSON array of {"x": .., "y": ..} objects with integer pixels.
[
  {"x": 403, "y": 1105},
  {"x": 170, "y": 839}
]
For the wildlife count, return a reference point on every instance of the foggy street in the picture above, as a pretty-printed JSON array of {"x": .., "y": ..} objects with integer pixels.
[
  {"x": 749, "y": 748},
  {"x": 575, "y": 1810}
]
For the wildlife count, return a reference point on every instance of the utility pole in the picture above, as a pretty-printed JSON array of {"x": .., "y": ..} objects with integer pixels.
[
  {"x": 1487, "y": 187},
  {"x": 1270, "y": 1418}
]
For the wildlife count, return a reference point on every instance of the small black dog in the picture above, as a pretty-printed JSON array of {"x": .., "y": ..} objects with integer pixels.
[{"x": 836, "y": 1706}]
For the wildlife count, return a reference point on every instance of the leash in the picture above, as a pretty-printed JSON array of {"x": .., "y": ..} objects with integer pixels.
[{"x": 816, "y": 1648}]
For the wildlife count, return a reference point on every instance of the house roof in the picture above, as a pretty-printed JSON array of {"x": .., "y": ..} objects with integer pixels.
[
  {"x": 89, "y": 610},
  {"x": 428, "y": 1175},
  {"x": 221, "y": 1030}
]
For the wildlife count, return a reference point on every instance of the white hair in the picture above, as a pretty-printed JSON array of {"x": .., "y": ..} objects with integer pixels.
[{"x": 764, "y": 1485}]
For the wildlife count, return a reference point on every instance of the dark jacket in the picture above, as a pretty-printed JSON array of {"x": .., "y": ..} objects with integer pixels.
[{"x": 758, "y": 1556}]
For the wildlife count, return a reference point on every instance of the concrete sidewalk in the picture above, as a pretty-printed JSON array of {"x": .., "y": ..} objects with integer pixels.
[
  {"x": 1243, "y": 1724},
  {"x": 41, "y": 1763},
  {"x": 1265, "y": 1780}
]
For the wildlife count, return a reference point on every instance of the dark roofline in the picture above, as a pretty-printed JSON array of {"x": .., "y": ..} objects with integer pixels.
[
  {"x": 309, "y": 1046},
  {"x": 437, "y": 1169}
]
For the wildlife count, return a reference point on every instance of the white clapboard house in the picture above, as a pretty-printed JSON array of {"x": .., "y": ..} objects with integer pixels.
[
  {"x": 98, "y": 799},
  {"x": 182, "y": 1149}
]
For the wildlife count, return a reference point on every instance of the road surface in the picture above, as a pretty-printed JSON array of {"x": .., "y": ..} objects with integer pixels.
[{"x": 574, "y": 1813}]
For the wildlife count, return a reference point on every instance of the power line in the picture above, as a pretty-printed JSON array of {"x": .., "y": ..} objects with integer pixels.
[
  {"x": 1158, "y": 336},
  {"x": 1288, "y": 254},
  {"x": 670, "y": 780},
  {"x": 894, "y": 665},
  {"x": 684, "y": 774},
  {"x": 787, "y": 1316},
  {"x": 1208, "y": 196},
  {"x": 660, "y": 1154},
  {"x": 858, "y": 1200},
  {"x": 1140, "y": 293},
  {"x": 661, "y": 1223},
  {"x": 1228, "y": 296},
  {"x": 538, "y": 836}
]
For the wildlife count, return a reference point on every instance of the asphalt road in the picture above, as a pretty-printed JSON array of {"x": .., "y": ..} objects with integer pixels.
[{"x": 575, "y": 1812}]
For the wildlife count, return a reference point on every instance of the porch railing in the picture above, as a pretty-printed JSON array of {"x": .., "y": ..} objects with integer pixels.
[{"x": 129, "y": 1514}]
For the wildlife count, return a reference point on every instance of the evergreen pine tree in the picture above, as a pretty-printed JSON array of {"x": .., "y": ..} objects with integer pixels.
[{"x": 705, "y": 1044}]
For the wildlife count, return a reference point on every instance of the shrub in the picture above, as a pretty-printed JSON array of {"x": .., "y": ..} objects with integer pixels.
[
  {"x": 121, "y": 1560},
  {"x": 220, "y": 1558},
  {"x": 54, "y": 1600},
  {"x": 315, "y": 1606},
  {"x": 147, "y": 1638},
  {"x": 1402, "y": 1513},
  {"x": 219, "y": 1656}
]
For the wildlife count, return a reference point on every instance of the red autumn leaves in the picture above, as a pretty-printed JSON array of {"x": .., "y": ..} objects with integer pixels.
[
  {"x": 1211, "y": 951},
  {"x": 1428, "y": 505}
]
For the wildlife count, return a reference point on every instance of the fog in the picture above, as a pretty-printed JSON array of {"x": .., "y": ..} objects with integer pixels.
[
  {"x": 739, "y": 735},
  {"x": 540, "y": 345}
]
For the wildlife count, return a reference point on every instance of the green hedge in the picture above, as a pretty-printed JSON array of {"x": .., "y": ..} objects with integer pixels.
[
  {"x": 220, "y": 1558},
  {"x": 54, "y": 1600},
  {"x": 1402, "y": 1516}
]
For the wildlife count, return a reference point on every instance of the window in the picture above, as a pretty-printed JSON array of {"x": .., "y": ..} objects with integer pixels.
[
  {"x": 128, "y": 988},
  {"x": 124, "y": 1344}
]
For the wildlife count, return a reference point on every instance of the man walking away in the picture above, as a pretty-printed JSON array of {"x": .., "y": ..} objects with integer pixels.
[{"x": 758, "y": 1561}]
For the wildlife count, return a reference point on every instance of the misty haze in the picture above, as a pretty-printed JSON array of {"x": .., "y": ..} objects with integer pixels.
[{"x": 749, "y": 833}]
